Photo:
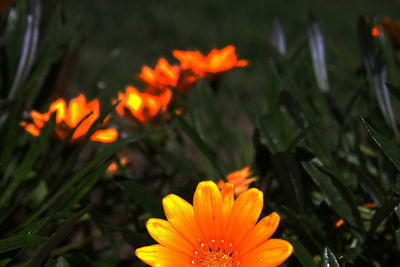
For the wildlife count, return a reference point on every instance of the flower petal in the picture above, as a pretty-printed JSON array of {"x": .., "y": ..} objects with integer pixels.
[
  {"x": 244, "y": 215},
  {"x": 159, "y": 256},
  {"x": 105, "y": 135},
  {"x": 228, "y": 198},
  {"x": 181, "y": 217},
  {"x": 260, "y": 233},
  {"x": 271, "y": 253},
  {"x": 165, "y": 234},
  {"x": 207, "y": 205}
]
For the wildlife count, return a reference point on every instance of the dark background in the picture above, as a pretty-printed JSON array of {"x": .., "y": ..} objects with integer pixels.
[{"x": 118, "y": 37}]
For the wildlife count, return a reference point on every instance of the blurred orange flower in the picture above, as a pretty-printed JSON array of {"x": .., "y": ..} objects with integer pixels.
[
  {"x": 165, "y": 75},
  {"x": 69, "y": 117},
  {"x": 391, "y": 28},
  {"x": 113, "y": 167},
  {"x": 207, "y": 66},
  {"x": 143, "y": 107},
  {"x": 240, "y": 179},
  {"x": 216, "y": 231}
]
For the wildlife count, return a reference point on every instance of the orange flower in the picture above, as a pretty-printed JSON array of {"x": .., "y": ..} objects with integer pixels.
[
  {"x": 216, "y": 231},
  {"x": 163, "y": 75},
  {"x": 215, "y": 62},
  {"x": 69, "y": 118},
  {"x": 113, "y": 168},
  {"x": 392, "y": 29},
  {"x": 142, "y": 106},
  {"x": 240, "y": 179}
]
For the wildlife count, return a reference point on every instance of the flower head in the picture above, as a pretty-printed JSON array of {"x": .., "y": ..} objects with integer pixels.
[
  {"x": 391, "y": 28},
  {"x": 142, "y": 106},
  {"x": 216, "y": 231},
  {"x": 77, "y": 113},
  {"x": 240, "y": 179},
  {"x": 164, "y": 75},
  {"x": 208, "y": 66}
]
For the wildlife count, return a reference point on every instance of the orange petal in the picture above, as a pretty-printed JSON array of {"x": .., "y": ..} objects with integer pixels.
[
  {"x": 39, "y": 119},
  {"x": 159, "y": 256},
  {"x": 207, "y": 205},
  {"x": 239, "y": 175},
  {"x": 260, "y": 233},
  {"x": 271, "y": 253},
  {"x": 165, "y": 234},
  {"x": 228, "y": 199},
  {"x": 147, "y": 75},
  {"x": 61, "y": 108},
  {"x": 32, "y": 129},
  {"x": 105, "y": 136},
  {"x": 181, "y": 217},
  {"x": 244, "y": 215},
  {"x": 242, "y": 63},
  {"x": 74, "y": 113}
]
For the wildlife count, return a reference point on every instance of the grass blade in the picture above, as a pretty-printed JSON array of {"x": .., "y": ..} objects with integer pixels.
[
  {"x": 21, "y": 241},
  {"x": 143, "y": 197},
  {"x": 301, "y": 253},
  {"x": 317, "y": 48},
  {"x": 387, "y": 146}
]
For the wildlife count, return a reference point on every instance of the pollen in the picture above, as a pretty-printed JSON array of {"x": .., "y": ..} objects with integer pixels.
[{"x": 215, "y": 259}]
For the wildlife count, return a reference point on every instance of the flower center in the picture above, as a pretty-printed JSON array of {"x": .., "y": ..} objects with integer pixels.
[
  {"x": 216, "y": 259},
  {"x": 215, "y": 255}
]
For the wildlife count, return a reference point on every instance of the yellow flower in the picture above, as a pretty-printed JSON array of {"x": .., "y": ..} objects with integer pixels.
[{"x": 216, "y": 231}]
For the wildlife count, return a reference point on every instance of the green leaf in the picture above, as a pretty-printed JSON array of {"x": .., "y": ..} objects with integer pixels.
[
  {"x": 329, "y": 259},
  {"x": 62, "y": 262},
  {"x": 135, "y": 239},
  {"x": 40, "y": 192},
  {"x": 83, "y": 187},
  {"x": 268, "y": 134},
  {"x": 336, "y": 200},
  {"x": 171, "y": 158},
  {"x": 105, "y": 153},
  {"x": 36, "y": 227},
  {"x": 301, "y": 226},
  {"x": 387, "y": 146},
  {"x": 290, "y": 177},
  {"x": 345, "y": 192},
  {"x": 381, "y": 214},
  {"x": 142, "y": 196},
  {"x": 29, "y": 160},
  {"x": 397, "y": 236},
  {"x": 4, "y": 262},
  {"x": 57, "y": 237},
  {"x": 12, "y": 132},
  {"x": 301, "y": 253},
  {"x": 21, "y": 241},
  {"x": 198, "y": 142}
]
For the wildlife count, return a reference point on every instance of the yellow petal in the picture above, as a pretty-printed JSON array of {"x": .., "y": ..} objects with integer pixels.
[
  {"x": 181, "y": 217},
  {"x": 271, "y": 253},
  {"x": 165, "y": 234},
  {"x": 244, "y": 215},
  {"x": 207, "y": 205},
  {"x": 159, "y": 256},
  {"x": 260, "y": 233}
]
